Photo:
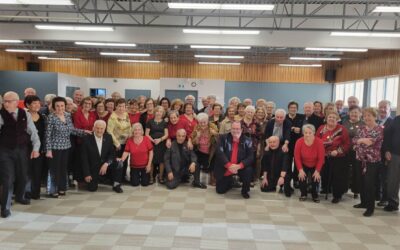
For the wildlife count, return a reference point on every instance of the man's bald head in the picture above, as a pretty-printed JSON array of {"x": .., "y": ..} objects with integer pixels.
[
  {"x": 273, "y": 142},
  {"x": 180, "y": 136}
]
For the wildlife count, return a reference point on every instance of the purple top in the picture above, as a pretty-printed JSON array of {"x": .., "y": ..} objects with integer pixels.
[{"x": 371, "y": 153}]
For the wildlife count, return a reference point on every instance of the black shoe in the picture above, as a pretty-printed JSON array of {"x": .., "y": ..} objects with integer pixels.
[
  {"x": 62, "y": 193},
  {"x": 5, "y": 213},
  {"x": 236, "y": 184},
  {"x": 118, "y": 189},
  {"x": 382, "y": 204},
  {"x": 24, "y": 201},
  {"x": 55, "y": 196},
  {"x": 199, "y": 185},
  {"x": 246, "y": 195},
  {"x": 355, "y": 196},
  {"x": 360, "y": 206},
  {"x": 335, "y": 200},
  {"x": 288, "y": 194},
  {"x": 296, "y": 185},
  {"x": 316, "y": 200},
  {"x": 368, "y": 213},
  {"x": 303, "y": 198},
  {"x": 390, "y": 208}
]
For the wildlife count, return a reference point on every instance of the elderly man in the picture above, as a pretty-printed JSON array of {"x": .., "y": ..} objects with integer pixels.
[
  {"x": 281, "y": 127},
  {"x": 234, "y": 156},
  {"x": 192, "y": 100},
  {"x": 78, "y": 96},
  {"x": 17, "y": 131},
  {"x": 46, "y": 110},
  {"x": 97, "y": 156},
  {"x": 310, "y": 117},
  {"x": 270, "y": 108},
  {"x": 27, "y": 91},
  {"x": 115, "y": 95},
  {"x": 247, "y": 102},
  {"x": 204, "y": 102},
  {"x": 180, "y": 161},
  {"x": 275, "y": 164}
]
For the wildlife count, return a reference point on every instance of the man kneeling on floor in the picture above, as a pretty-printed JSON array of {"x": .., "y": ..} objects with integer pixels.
[
  {"x": 234, "y": 156},
  {"x": 274, "y": 166},
  {"x": 180, "y": 161},
  {"x": 98, "y": 153}
]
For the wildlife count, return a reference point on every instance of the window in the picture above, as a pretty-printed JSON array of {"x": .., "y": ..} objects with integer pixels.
[
  {"x": 347, "y": 89},
  {"x": 384, "y": 89}
]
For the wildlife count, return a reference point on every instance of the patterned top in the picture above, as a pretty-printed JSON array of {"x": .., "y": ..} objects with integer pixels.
[
  {"x": 352, "y": 128},
  {"x": 58, "y": 132},
  {"x": 336, "y": 139},
  {"x": 119, "y": 129},
  {"x": 371, "y": 153},
  {"x": 252, "y": 131}
]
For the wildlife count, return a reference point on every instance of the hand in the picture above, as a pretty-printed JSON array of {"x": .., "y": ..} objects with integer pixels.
[
  {"x": 296, "y": 130},
  {"x": 264, "y": 182},
  {"x": 157, "y": 141},
  {"x": 49, "y": 154},
  {"x": 118, "y": 148},
  {"x": 234, "y": 168},
  {"x": 88, "y": 179},
  {"x": 281, "y": 181},
  {"x": 266, "y": 145},
  {"x": 168, "y": 143},
  {"x": 302, "y": 175},
  {"x": 316, "y": 176},
  {"x": 192, "y": 168},
  {"x": 369, "y": 141},
  {"x": 388, "y": 156},
  {"x": 190, "y": 145},
  {"x": 35, "y": 154},
  {"x": 285, "y": 148},
  {"x": 103, "y": 169},
  {"x": 88, "y": 132},
  {"x": 148, "y": 168},
  {"x": 170, "y": 176},
  {"x": 334, "y": 153},
  {"x": 118, "y": 159}
]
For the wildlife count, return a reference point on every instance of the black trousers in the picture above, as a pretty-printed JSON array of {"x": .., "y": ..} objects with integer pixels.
[
  {"x": 112, "y": 176},
  {"x": 203, "y": 161},
  {"x": 309, "y": 179},
  {"x": 355, "y": 170},
  {"x": 58, "y": 169},
  {"x": 35, "y": 175},
  {"x": 292, "y": 170},
  {"x": 139, "y": 177},
  {"x": 224, "y": 184},
  {"x": 381, "y": 183},
  {"x": 368, "y": 185},
  {"x": 115, "y": 163},
  {"x": 273, "y": 181},
  {"x": 13, "y": 169},
  {"x": 335, "y": 176},
  {"x": 182, "y": 174}
]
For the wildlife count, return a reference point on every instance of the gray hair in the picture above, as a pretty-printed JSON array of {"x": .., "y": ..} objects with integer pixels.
[
  {"x": 235, "y": 98},
  {"x": 190, "y": 96},
  {"x": 49, "y": 97},
  {"x": 282, "y": 111},
  {"x": 212, "y": 97},
  {"x": 68, "y": 99},
  {"x": 171, "y": 112},
  {"x": 387, "y": 102},
  {"x": 250, "y": 108},
  {"x": 202, "y": 117},
  {"x": 271, "y": 103},
  {"x": 308, "y": 126},
  {"x": 308, "y": 103},
  {"x": 100, "y": 122},
  {"x": 181, "y": 130},
  {"x": 137, "y": 125},
  {"x": 11, "y": 93}
]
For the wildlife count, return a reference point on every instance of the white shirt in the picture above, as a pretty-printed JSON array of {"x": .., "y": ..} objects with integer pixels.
[{"x": 99, "y": 142}]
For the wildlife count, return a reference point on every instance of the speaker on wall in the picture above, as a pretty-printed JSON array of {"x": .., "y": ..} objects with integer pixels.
[
  {"x": 33, "y": 66},
  {"x": 330, "y": 75}
]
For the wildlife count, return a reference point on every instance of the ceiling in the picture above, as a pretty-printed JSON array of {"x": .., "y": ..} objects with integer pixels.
[{"x": 157, "y": 29}]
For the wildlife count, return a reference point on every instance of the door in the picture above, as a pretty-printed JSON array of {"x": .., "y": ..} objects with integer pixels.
[
  {"x": 172, "y": 94},
  {"x": 134, "y": 93}
]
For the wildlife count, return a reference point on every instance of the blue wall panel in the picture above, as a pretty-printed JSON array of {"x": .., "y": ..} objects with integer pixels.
[{"x": 280, "y": 93}]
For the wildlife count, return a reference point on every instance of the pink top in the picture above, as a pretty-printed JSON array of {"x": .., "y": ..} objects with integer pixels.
[{"x": 204, "y": 143}]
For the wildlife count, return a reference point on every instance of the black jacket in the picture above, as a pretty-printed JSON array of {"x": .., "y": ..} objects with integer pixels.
[
  {"x": 173, "y": 158},
  {"x": 274, "y": 162},
  {"x": 391, "y": 140},
  {"x": 91, "y": 159},
  {"x": 296, "y": 122},
  {"x": 314, "y": 120},
  {"x": 287, "y": 125},
  {"x": 224, "y": 151}
]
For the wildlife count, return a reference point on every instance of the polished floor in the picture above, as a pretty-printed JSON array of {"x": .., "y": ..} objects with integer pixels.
[{"x": 188, "y": 218}]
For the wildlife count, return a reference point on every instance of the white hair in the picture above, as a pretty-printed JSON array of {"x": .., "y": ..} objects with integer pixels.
[
  {"x": 49, "y": 97},
  {"x": 271, "y": 103},
  {"x": 282, "y": 111},
  {"x": 189, "y": 96},
  {"x": 250, "y": 108},
  {"x": 235, "y": 98},
  {"x": 308, "y": 103},
  {"x": 385, "y": 102},
  {"x": 69, "y": 99},
  {"x": 100, "y": 122},
  {"x": 248, "y": 100},
  {"x": 212, "y": 97},
  {"x": 137, "y": 125},
  {"x": 308, "y": 126},
  {"x": 202, "y": 117},
  {"x": 11, "y": 93}
]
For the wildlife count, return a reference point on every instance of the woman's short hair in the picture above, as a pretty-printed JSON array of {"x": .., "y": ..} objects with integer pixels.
[
  {"x": 119, "y": 101},
  {"x": 235, "y": 98},
  {"x": 87, "y": 98},
  {"x": 30, "y": 98},
  {"x": 100, "y": 101},
  {"x": 132, "y": 101},
  {"x": 202, "y": 117},
  {"x": 109, "y": 100},
  {"x": 148, "y": 100},
  {"x": 217, "y": 105},
  {"x": 166, "y": 99},
  {"x": 137, "y": 125},
  {"x": 49, "y": 97},
  {"x": 333, "y": 113},
  {"x": 173, "y": 112},
  {"x": 355, "y": 108},
  {"x": 371, "y": 111},
  {"x": 58, "y": 99},
  {"x": 159, "y": 108},
  {"x": 308, "y": 126},
  {"x": 241, "y": 105},
  {"x": 187, "y": 104},
  {"x": 175, "y": 102},
  {"x": 250, "y": 108}
]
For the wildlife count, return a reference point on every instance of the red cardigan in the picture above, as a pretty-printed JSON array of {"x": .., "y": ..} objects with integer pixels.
[
  {"x": 309, "y": 156},
  {"x": 172, "y": 128},
  {"x": 81, "y": 122},
  {"x": 337, "y": 139}
]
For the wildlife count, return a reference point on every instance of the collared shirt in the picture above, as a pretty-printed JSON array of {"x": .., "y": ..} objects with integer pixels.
[
  {"x": 382, "y": 121},
  {"x": 278, "y": 130},
  {"x": 31, "y": 129},
  {"x": 99, "y": 142}
]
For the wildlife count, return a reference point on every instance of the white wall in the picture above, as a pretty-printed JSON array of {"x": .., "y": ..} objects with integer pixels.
[
  {"x": 65, "y": 80},
  {"x": 204, "y": 87}
]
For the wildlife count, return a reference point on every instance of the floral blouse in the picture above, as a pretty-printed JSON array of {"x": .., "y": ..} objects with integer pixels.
[
  {"x": 252, "y": 131},
  {"x": 336, "y": 139},
  {"x": 370, "y": 153},
  {"x": 119, "y": 129}
]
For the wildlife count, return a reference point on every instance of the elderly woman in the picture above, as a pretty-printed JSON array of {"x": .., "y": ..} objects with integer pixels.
[
  {"x": 251, "y": 129},
  {"x": 234, "y": 101},
  {"x": 100, "y": 111},
  {"x": 337, "y": 143},
  {"x": 119, "y": 127},
  {"x": 353, "y": 125},
  {"x": 260, "y": 119},
  {"x": 174, "y": 124},
  {"x": 58, "y": 143},
  {"x": 204, "y": 139},
  {"x": 110, "y": 105},
  {"x": 218, "y": 115},
  {"x": 133, "y": 111},
  {"x": 189, "y": 117},
  {"x": 157, "y": 131},
  {"x": 149, "y": 113},
  {"x": 240, "y": 112},
  {"x": 226, "y": 124},
  {"x": 177, "y": 104},
  {"x": 367, "y": 144},
  {"x": 329, "y": 108},
  {"x": 165, "y": 103},
  {"x": 261, "y": 103},
  {"x": 270, "y": 108},
  {"x": 309, "y": 155},
  {"x": 71, "y": 106},
  {"x": 140, "y": 148},
  {"x": 318, "y": 106}
]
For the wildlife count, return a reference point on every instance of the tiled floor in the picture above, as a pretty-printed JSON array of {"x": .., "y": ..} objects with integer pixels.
[{"x": 187, "y": 218}]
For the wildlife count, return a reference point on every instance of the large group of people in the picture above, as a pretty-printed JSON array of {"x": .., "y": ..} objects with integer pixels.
[{"x": 87, "y": 141}]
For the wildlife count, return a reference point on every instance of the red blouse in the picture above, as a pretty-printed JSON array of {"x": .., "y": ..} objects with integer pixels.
[
  {"x": 191, "y": 123},
  {"x": 134, "y": 118},
  {"x": 139, "y": 152},
  {"x": 337, "y": 139},
  {"x": 172, "y": 128},
  {"x": 309, "y": 156},
  {"x": 104, "y": 118}
]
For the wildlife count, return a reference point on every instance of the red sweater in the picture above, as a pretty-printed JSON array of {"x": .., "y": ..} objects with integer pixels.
[
  {"x": 139, "y": 152},
  {"x": 309, "y": 156},
  {"x": 191, "y": 124},
  {"x": 81, "y": 122},
  {"x": 134, "y": 118},
  {"x": 172, "y": 128},
  {"x": 337, "y": 139}
]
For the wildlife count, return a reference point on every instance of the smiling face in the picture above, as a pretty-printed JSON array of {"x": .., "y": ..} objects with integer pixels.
[
  {"x": 332, "y": 119},
  {"x": 87, "y": 105},
  {"x": 121, "y": 108},
  {"x": 249, "y": 114},
  {"x": 384, "y": 110},
  {"x": 355, "y": 115},
  {"x": 10, "y": 102},
  {"x": 308, "y": 134},
  {"x": 137, "y": 131},
  {"x": 260, "y": 114},
  {"x": 279, "y": 117},
  {"x": 317, "y": 108},
  {"x": 273, "y": 142},
  {"x": 34, "y": 106},
  {"x": 236, "y": 130},
  {"x": 292, "y": 109},
  {"x": 59, "y": 107},
  {"x": 99, "y": 129},
  {"x": 173, "y": 118}
]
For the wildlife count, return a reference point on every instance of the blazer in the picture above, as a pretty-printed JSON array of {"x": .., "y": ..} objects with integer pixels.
[
  {"x": 91, "y": 159},
  {"x": 173, "y": 158},
  {"x": 287, "y": 125},
  {"x": 223, "y": 153}
]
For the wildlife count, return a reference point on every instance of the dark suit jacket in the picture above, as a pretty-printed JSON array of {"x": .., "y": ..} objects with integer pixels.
[
  {"x": 287, "y": 125},
  {"x": 173, "y": 158},
  {"x": 386, "y": 136},
  {"x": 314, "y": 120},
  {"x": 91, "y": 159},
  {"x": 224, "y": 152},
  {"x": 296, "y": 122}
]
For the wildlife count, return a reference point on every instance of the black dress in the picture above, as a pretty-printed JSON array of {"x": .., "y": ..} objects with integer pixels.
[{"x": 157, "y": 130}]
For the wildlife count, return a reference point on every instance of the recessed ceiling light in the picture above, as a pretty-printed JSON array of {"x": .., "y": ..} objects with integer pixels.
[
  {"x": 389, "y": 9},
  {"x": 106, "y": 44},
  {"x": 212, "y": 6},
  {"x": 337, "y": 49},
  {"x": 218, "y": 47},
  {"x": 365, "y": 34},
  {"x": 315, "y": 58},
  {"x": 219, "y": 57},
  {"x": 221, "y": 32},
  {"x": 31, "y": 51},
  {"x": 220, "y": 63},
  {"x": 59, "y": 58},
  {"x": 74, "y": 28},
  {"x": 38, "y": 2},
  {"x": 139, "y": 61},
  {"x": 123, "y": 54},
  {"x": 300, "y": 65},
  {"x": 11, "y": 41}
]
